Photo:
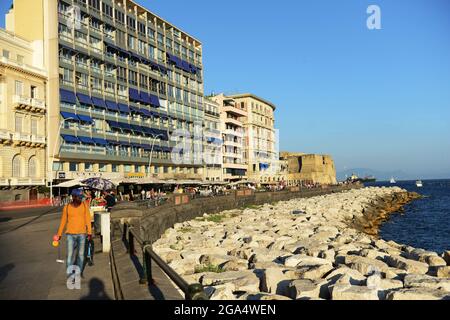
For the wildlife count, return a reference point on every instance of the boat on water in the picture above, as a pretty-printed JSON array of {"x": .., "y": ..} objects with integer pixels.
[
  {"x": 354, "y": 178},
  {"x": 393, "y": 181},
  {"x": 419, "y": 183}
]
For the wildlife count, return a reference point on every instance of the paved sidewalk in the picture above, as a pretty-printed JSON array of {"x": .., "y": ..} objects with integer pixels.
[{"x": 28, "y": 267}]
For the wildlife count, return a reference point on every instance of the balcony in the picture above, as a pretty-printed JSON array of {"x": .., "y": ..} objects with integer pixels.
[
  {"x": 234, "y": 133},
  {"x": 5, "y": 135},
  {"x": 38, "y": 104},
  {"x": 21, "y": 137},
  {"x": 83, "y": 149},
  {"x": 4, "y": 182},
  {"x": 20, "y": 101},
  {"x": 234, "y": 121},
  {"x": 27, "y": 182},
  {"x": 235, "y": 111},
  {"x": 38, "y": 139}
]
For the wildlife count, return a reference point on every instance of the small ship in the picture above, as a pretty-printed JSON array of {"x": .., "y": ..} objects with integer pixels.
[{"x": 354, "y": 178}]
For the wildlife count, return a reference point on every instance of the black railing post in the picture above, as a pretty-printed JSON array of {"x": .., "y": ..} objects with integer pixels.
[
  {"x": 131, "y": 244},
  {"x": 196, "y": 292},
  {"x": 146, "y": 264},
  {"x": 125, "y": 230}
]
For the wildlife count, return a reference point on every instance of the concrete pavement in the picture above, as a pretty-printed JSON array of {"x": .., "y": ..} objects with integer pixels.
[{"x": 28, "y": 267}]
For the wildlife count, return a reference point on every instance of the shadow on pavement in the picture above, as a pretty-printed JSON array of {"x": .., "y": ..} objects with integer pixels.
[
  {"x": 28, "y": 222},
  {"x": 5, "y": 219},
  {"x": 5, "y": 270},
  {"x": 96, "y": 291}
]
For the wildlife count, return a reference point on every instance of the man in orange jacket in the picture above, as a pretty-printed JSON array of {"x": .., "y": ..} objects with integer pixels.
[{"x": 76, "y": 218}]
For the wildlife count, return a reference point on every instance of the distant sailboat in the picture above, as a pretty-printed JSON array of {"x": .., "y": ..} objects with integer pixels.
[
  {"x": 419, "y": 183},
  {"x": 393, "y": 180}
]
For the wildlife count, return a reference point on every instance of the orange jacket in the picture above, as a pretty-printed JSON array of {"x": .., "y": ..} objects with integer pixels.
[{"x": 78, "y": 220}]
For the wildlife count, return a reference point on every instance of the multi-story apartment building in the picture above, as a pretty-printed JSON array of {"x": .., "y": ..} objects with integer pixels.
[
  {"x": 212, "y": 153},
  {"x": 121, "y": 81},
  {"x": 22, "y": 119},
  {"x": 232, "y": 119},
  {"x": 261, "y": 147}
]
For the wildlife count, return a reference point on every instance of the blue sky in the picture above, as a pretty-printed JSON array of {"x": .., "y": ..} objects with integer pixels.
[{"x": 376, "y": 99}]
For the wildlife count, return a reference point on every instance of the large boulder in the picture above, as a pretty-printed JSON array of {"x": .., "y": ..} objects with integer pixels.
[
  {"x": 443, "y": 272},
  {"x": 301, "y": 260},
  {"x": 273, "y": 280},
  {"x": 242, "y": 281},
  {"x": 411, "y": 266},
  {"x": 349, "y": 292},
  {"x": 306, "y": 289},
  {"x": 424, "y": 281},
  {"x": 365, "y": 266},
  {"x": 417, "y": 294}
]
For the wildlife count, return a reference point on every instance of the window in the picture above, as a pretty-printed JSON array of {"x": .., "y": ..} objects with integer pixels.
[
  {"x": 32, "y": 167},
  {"x": 141, "y": 27},
  {"x": 34, "y": 127},
  {"x": 131, "y": 22},
  {"x": 5, "y": 53},
  {"x": 127, "y": 168},
  {"x": 88, "y": 167},
  {"x": 33, "y": 92},
  {"x": 107, "y": 10},
  {"x": 102, "y": 167},
  {"x": 120, "y": 16},
  {"x": 73, "y": 166},
  {"x": 115, "y": 168},
  {"x": 20, "y": 59},
  {"x": 57, "y": 166},
  {"x": 132, "y": 42},
  {"x": 17, "y": 167},
  {"x": 151, "y": 51},
  {"x": 18, "y": 123},
  {"x": 19, "y": 87}
]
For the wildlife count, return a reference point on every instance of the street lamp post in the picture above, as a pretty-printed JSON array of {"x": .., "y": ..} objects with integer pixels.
[
  {"x": 151, "y": 152},
  {"x": 53, "y": 157}
]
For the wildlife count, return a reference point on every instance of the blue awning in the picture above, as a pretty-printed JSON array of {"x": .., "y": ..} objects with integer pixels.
[
  {"x": 124, "y": 108},
  {"x": 136, "y": 128},
  {"x": 67, "y": 96},
  {"x": 113, "y": 142},
  {"x": 146, "y": 113},
  {"x": 69, "y": 115},
  {"x": 136, "y": 145},
  {"x": 185, "y": 66},
  {"x": 124, "y": 126},
  {"x": 263, "y": 166},
  {"x": 86, "y": 140},
  {"x": 154, "y": 101},
  {"x": 113, "y": 124},
  {"x": 101, "y": 142},
  {"x": 145, "y": 97},
  {"x": 100, "y": 103},
  {"x": 134, "y": 95},
  {"x": 84, "y": 99},
  {"x": 86, "y": 119},
  {"x": 70, "y": 139},
  {"x": 134, "y": 109},
  {"x": 112, "y": 106},
  {"x": 124, "y": 143}
]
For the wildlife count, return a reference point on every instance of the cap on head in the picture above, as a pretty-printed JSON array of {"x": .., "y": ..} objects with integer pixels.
[{"x": 77, "y": 193}]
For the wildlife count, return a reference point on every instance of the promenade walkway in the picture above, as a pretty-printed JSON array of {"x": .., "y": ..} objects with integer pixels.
[{"x": 29, "y": 271}]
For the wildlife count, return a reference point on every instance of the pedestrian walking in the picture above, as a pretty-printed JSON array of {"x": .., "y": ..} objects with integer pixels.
[{"x": 76, "y": 222}]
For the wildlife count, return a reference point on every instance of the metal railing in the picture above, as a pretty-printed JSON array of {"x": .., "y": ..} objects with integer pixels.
[{"x": 191, "y": 291}]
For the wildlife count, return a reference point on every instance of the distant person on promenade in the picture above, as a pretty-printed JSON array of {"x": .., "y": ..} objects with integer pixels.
[
  {"x": 76, "y": 221},
  {"x": 110, "y": 200}
]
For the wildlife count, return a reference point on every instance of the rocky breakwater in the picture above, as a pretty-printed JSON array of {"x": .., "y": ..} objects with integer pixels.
[{"x": 318, "y": 248}]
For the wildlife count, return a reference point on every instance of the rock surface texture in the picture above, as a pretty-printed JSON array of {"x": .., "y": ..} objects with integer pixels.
[{"x": 324, "y": 247}]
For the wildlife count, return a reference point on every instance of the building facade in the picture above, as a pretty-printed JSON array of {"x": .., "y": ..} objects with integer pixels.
[
  {"x": 22, "y": 119},
  {"x": 232, "y": 119},
  {"x": 121, "y": 81},
  {"x": 260, "y": 141},
  {"x": 307, "y": 169},
  {"x": 212, "y": 135}
]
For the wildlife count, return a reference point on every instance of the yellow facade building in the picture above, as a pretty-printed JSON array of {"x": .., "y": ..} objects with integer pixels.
[
  {"x": 260, "y": 140},
  {"x": 121, "y": 80},
  {"x": 22, "y": 119},
  {"x": 307, "y": 169}
]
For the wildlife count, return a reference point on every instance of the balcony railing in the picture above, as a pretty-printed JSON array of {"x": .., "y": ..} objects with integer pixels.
[
  {"x": 4, "y": 182},
  {"x": 83, "y": 149},
  {"x": 17, "y": 136},
  {"x": 38, "y": 103},
  {"x": 37, "y": 139},
  {"x": 27, "y": 182},
  {"x": 5, "y": 135},
  {"x": 21, "y": 100}
]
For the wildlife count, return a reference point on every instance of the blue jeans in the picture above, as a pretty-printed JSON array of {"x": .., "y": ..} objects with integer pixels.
[{"x": 75, "y": 251}]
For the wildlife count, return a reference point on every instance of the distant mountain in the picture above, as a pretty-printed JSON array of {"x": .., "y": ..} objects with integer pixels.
[{"x": 380, "y": 175}]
